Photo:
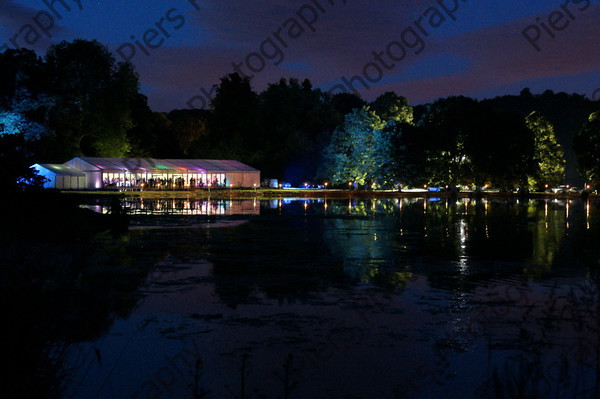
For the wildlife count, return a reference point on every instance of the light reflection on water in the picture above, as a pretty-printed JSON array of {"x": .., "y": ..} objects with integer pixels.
[
  {"x": 183, "y": 206},
  {"x": 371, "y": 298}
]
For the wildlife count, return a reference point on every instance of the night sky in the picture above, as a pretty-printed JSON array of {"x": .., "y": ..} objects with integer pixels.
[{"x": 421, "y": 49}]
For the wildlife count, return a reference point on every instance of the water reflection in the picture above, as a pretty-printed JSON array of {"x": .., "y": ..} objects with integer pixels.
[
  {"x": 55, "y": 295},
  {"x": 422, "y": 297},
  {"x": 183, "y": 206},
  {"x": 384, "y": 242},
  {"x": 458, "y": 230}
]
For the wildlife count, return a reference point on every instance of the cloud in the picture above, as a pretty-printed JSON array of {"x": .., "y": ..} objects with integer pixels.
[
  {"x": 14, "y": 16},
  {"x": 483, "y": 51},
  {"x": 500, "y": 56},
  {"x": 494, "y": 58},
  {"x": 24, "y": 26}
]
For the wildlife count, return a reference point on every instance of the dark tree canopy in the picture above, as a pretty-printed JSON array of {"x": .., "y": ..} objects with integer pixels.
[
  {"x": 93, "y": 97},
  {"x": 19, "y": 70},
  {"x": 233, "y": 122},
  {"x": 587, "y": 148},
  {"x": 566, "y": 112},
  {"x": 294, "y": 123},
  {"x": 345, "y": 103}
]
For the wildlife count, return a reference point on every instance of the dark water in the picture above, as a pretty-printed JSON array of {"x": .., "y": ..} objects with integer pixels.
[{"x": 413, "y": 298}]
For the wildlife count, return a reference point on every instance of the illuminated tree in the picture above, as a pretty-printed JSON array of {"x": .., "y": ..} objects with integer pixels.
[
  {"x": 19, "y": 136},
  {"x": 23, "y": 109},
  {"x": 392, "y": 156},
  {"x": 587, "y": 148},
  {"x": 549, "y": 156},
  {"x": 22, "y": 116},
  {"x": 390, "y": 106},
  {"x": 363, "y": 150}
]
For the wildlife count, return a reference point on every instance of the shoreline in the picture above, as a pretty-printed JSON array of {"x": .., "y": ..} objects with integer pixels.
[{"x": 267, "y": 194}]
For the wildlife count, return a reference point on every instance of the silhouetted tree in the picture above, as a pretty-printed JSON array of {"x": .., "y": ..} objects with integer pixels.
[
  {"x": 189, "y": 132},
  {"x": 93, "y": 97},
  {"x": 502, "y": 152},
  {"x": 294, "y": 123},
  {"x": 587, "y": 148},
  {"x": 448, "y": 125},
  {"x": 233, "y": 123}
]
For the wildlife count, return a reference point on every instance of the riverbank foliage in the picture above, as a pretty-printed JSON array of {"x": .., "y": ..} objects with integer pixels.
[{"x": 77, "y": 100}]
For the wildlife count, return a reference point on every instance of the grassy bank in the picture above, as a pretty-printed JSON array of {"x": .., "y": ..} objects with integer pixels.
[{"x": 266, "y": 193}]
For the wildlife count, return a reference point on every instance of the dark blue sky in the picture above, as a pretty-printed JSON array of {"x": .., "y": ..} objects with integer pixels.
[{"x": 421, "y": 49}]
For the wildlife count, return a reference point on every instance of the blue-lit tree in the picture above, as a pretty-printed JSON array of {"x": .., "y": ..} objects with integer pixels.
[
  {"x": 23, "y": 109},
  {"x": 363, "y": 151},
  {"x": 19, "y": 116}
]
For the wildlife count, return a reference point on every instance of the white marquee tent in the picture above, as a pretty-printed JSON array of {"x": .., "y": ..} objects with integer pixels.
[{"x": 98, "y": 173}]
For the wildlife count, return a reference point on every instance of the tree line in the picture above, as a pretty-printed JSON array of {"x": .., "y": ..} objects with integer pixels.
[{"x": 77, "y": 100}]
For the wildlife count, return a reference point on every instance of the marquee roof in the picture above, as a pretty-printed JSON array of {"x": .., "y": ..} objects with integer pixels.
[
  {"x": 166, "y": 165},
  {"x": 60, "y": 169}
]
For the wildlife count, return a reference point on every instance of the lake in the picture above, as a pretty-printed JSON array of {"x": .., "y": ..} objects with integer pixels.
[{"x": 294, "y": 298}]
